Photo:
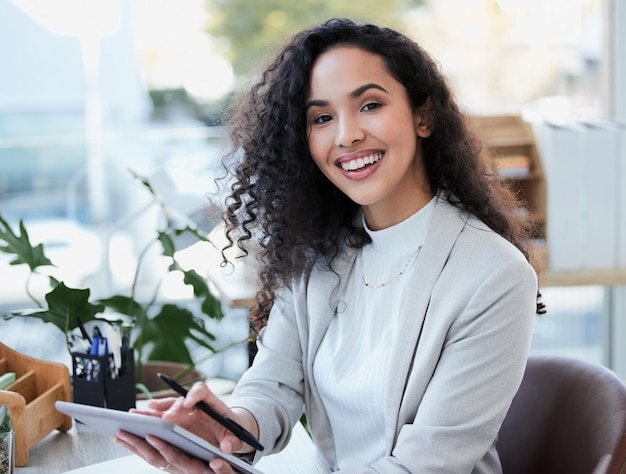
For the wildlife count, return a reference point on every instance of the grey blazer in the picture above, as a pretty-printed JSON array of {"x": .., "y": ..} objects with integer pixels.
[{"x": 467, "y": 326}]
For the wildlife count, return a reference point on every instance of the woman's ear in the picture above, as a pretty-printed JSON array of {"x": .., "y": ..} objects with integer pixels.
[{"x": 423, "y": 119}]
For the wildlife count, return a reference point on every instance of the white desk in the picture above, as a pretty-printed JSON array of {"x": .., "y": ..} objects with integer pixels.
[
  {"x": 61, "y": 452},
  {"x": 85, "y": 451}
]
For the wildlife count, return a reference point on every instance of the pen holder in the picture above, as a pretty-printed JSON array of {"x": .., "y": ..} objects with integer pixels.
[{"x": 96, "y": 380}]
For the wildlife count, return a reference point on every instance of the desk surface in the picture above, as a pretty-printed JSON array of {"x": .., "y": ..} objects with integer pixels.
[
  {"x": 61, "y": 452},
  {"x": 82, "y": 446}
]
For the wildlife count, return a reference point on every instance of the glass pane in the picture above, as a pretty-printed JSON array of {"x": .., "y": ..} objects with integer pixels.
[{"x": 573, "y": 325}]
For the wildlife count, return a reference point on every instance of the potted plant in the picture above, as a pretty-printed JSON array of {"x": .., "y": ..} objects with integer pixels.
[
  {"x": 159, "y": 331},
  {"x": 7, "y": 449}
]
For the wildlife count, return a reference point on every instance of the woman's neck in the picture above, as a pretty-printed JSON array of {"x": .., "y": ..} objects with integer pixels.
[{"x": 379, "y": 216}]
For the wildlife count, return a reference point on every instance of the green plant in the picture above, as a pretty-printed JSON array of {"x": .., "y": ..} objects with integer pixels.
[
  {"x": 5, "y": 420},
  {"x": 159, "y": 331}
]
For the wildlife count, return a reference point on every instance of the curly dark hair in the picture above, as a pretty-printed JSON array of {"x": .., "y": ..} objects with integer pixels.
[{"x": 298, "y": 216}]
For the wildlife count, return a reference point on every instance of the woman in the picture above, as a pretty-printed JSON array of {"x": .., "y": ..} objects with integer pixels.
[{"x": 396, "y": 301}]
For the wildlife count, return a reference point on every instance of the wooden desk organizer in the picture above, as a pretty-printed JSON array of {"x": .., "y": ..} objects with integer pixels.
[{"x": 31, "y": 398}]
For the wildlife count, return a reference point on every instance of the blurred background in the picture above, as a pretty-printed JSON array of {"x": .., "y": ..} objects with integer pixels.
[{"x": 92, "y": 91}]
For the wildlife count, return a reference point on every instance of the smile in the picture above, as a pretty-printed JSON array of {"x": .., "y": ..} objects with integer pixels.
[{"x": 360, "y": 163}]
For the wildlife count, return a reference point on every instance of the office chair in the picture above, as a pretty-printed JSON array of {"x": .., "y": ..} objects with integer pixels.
[{"x": 568, "y": 417}]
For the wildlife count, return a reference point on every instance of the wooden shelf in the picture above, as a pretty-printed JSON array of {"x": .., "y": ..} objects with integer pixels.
[
  {"x": 584, "y": 277},
  {"x": 579, "y": 277},
  {"x": 509, "y": 135}
]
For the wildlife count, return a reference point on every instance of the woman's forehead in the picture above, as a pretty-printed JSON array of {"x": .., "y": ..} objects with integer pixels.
[{"x": 345, "y": 68}]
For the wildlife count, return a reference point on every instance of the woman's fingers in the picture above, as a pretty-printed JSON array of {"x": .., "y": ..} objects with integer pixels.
[
  {"x": 183, "y": 412},
  {"x": 155, "y": 407},
  {"x": 189, "y": 417},
  {"x": 177, "y": 460},
  {"x": 200, "y": 392},
  {"x": 141, "y": 448},
  {"x": 161, "y": 404},
  {"x": 219, "y": 466},
  {"x": 158, "y": 453}
]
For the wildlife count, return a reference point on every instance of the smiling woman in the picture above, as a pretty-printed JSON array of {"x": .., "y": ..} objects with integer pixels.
[
  {"x": 396, "y": 300},
  {"x": 359, "y": 118}
]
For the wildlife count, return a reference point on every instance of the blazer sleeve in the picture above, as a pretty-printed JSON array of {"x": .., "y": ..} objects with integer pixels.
[
  {"x": 482, "y": 352},
  {"x": 272, "y": 389}
]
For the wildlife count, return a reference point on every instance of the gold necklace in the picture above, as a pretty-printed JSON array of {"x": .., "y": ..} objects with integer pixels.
[{"x": 406, "y": 265}]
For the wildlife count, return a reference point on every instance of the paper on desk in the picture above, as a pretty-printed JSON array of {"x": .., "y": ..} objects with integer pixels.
[{"x": 127, "y": 464}]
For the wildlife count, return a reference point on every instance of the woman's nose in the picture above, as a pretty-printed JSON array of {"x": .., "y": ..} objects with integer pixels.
[{"x": 349, "y": 132}]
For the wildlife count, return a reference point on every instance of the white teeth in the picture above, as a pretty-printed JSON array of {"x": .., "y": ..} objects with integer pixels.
[{"x": 360, "y": 162}]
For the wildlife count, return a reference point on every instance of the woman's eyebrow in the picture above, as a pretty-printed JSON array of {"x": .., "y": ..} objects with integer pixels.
[
  {"x": 361, "y": 90},
  {"x": 353, "y": 95},
  {"x": 316, "y": 103}
]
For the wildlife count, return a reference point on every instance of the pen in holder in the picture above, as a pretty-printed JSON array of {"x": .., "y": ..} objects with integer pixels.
[{"x": 99, "y": 380}]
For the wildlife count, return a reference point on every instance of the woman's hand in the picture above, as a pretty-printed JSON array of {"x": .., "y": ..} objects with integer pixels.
[
  {"x": 160, "y": 454},
  {"x": 182, "y": 412}
]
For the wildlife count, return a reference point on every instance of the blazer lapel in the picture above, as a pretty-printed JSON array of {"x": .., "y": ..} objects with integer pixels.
[
  {"x": 444, "y": 230},
  {"x": 323, "y": 290},
  {"x": 326, "y": 286}
]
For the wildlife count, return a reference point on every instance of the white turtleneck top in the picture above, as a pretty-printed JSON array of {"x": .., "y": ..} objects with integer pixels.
[{"x": 352, "y": 360}]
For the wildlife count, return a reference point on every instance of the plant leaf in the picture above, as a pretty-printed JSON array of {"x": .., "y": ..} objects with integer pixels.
[
  {"x": 21, "y": 247},
  {"x": 5, "y": 419},
  {"x": 210, "y": 305},
  {"x": 125, "y": 305},
  {"x": 144, "y": 181},
  {"x": 193, "y": 231},
  {"x": 65, "y": 306},
  {"x": 169, "y": 330},
  {"x": 199, "y": 284},
  {"x": 168, "y": 244}
]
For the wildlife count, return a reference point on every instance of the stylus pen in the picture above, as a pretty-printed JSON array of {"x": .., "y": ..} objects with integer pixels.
[{"x": 227, "y": 423}]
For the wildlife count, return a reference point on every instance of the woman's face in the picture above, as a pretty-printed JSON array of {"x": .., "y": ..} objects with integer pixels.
[{"x": 365, "y": 136}]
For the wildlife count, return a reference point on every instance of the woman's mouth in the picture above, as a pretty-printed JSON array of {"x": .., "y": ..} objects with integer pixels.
[{"x": 360, "y": 163}]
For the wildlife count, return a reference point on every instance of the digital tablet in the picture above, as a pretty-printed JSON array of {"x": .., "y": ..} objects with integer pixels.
[{"x": 110, "y": 421}]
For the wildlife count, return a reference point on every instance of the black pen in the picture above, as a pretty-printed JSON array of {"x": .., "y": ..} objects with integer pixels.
[
  {"x": 227, "y": 423},
  {"x": 83, "y": 331}
]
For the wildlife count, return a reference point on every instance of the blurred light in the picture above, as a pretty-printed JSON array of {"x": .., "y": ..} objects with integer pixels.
[
  {"x": 473, "y": 5},
  {"x": 176, "y": 51},
  {"x": 511, "y": 5},
  {"x": 276, "y": 19},
  {"x": 544, "y": 22},
  {"x": 75, "y": 17}
]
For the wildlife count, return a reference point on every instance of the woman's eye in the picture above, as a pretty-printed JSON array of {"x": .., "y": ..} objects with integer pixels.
[
  {"x": 371, "y": 106},
  {"x": 322, "y": 119}
]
